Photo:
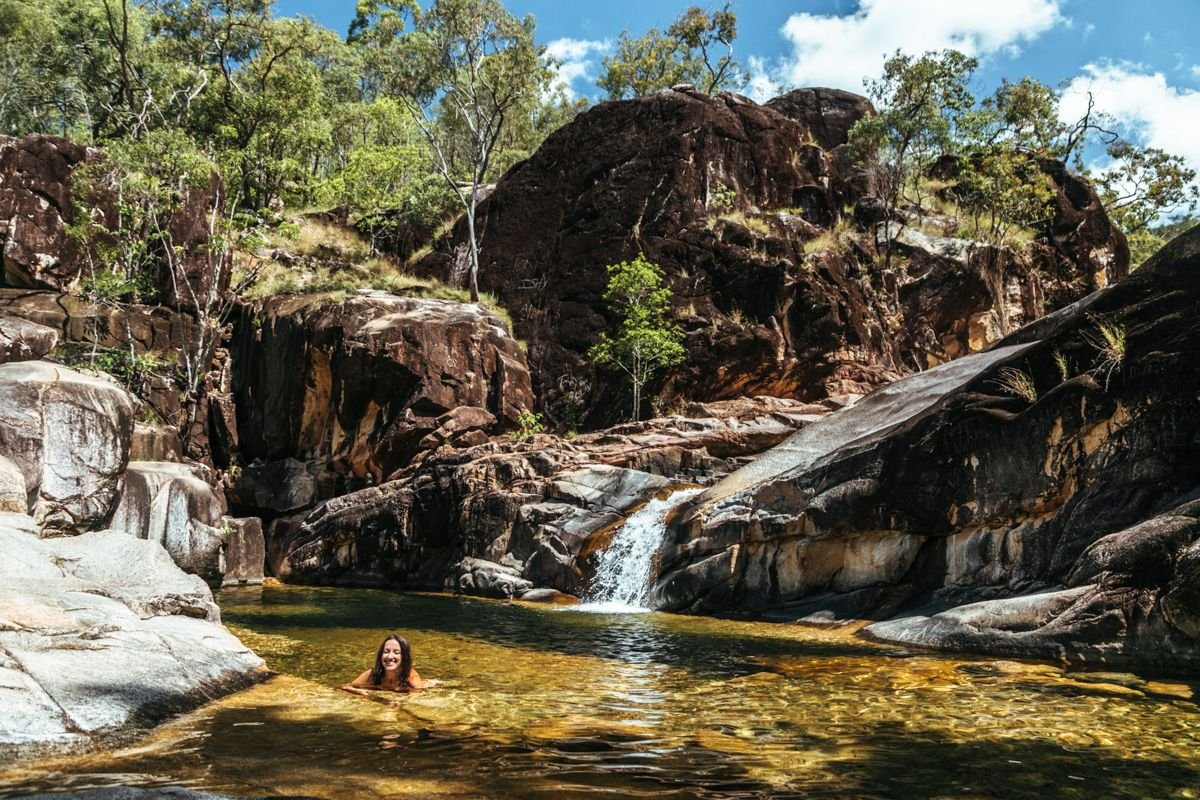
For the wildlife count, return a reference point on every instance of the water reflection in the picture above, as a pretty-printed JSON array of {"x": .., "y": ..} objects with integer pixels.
[{"x": 543, "y": 702}]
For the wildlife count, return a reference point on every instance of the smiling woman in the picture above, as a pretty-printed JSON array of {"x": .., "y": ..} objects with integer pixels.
[{"x": 393, "y": 669}]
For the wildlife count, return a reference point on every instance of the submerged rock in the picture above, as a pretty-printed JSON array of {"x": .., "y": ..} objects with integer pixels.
[{"x": 1061, "y": 523}]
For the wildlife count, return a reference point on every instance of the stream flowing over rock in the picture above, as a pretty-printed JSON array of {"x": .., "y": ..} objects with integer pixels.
[
  {"x": 1067, "y": 527},
  {"x": 506, "y": 517}
]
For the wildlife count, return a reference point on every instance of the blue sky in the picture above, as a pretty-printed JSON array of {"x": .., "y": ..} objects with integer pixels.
[{"x": 1141, "y": 60}]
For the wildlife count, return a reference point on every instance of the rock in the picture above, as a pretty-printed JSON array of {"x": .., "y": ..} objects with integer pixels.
[
  {"x": 279, "y": 486},
  {"x": 965, "y": 517},
  {"x": 244, "y": 552},
  {"x": 540, "y": 510},
  {"x": 167, "y": 503},
  {"x": 827, "y": 114},
  {"x": 89, "y": 421},
  {"x": 155, "y": 443},
  {"x": 353, "y": 388},
  {"x": 13, "y": 495},
  {"x": 38, "y": 205},
  {"x": 35, "y": 210},
  {"x": 22, "y": 340},
  {"x": 736, "y": 203},
  {"x": 142, "y": 638}
]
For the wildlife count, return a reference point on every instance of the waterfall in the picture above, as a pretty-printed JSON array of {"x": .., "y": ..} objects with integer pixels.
[{"x": 623, "y": 577}]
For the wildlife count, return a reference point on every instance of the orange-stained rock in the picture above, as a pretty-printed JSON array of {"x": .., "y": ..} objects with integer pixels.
[{"x": 355, "y": 387}]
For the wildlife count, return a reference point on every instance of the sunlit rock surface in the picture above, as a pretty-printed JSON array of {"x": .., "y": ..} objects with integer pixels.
[
  {"x": 348, "y": 391},
  {"x": 1063, "y": 527},
  {"x": 100, "y": 632},
  {"x": 69, "y": 433}
]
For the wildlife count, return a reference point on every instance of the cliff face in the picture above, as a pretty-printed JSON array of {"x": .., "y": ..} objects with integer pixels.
[
  {"x": 1068, "y": 519},
  {"x": 741, "y": 205}
]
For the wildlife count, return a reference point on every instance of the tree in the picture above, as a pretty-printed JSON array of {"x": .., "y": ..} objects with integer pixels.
[
  {"x": 686, "y": 53},
  {"x": 1143, "y": 184},
  {"x": 645, "y": 343},
  {"x": 922, "y": 102},
  {"x": 474, "y": 60}
]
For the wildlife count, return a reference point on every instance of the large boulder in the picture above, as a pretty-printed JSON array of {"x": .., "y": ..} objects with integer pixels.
[
  {"x": 1034, "y": 499},
  {"x": 168, "y": 503},
  {"x": 740, "y": 204},
  {"x": 69, "y": 433},
  {"x": 22, "y": 340},
  {"x": 100, "y": 633},
  {"x": 347, "y": 391}
]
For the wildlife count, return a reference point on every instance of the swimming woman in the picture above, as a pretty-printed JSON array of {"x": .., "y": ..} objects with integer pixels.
[{"x": 393, "y": 670}]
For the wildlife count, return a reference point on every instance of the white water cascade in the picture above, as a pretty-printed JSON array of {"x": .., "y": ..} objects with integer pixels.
[{"x": 623, "y": 577}]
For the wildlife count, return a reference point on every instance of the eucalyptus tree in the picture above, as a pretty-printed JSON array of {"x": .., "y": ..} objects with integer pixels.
[
  {"x": 476, "y": 62},
  {"x": 697, "y": 48}
]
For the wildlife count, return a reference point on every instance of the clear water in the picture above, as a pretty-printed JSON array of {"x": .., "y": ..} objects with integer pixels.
[
  {"x": 540, "y": 702},
  {"x": 622, "y": 580}
]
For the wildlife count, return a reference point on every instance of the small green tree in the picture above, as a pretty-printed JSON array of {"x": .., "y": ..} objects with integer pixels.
[{"x": 645, "y": 342}]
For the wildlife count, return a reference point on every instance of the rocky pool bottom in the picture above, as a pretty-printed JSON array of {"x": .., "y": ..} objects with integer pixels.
[{"x": 553, "y": 702}]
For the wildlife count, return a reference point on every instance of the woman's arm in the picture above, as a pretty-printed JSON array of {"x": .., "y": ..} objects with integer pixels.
[
  {"x": 417, "y": 682},
  {"x": 359, "y": 685}
]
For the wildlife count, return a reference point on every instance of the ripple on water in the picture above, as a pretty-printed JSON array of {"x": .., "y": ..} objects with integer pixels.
[{"x": 538, "y": 702}]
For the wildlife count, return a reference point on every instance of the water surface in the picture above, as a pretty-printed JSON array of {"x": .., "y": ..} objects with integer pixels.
[{"x": 545, "y": 702}]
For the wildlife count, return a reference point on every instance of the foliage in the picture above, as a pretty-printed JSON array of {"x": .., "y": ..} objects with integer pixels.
[
  {"x": 1017, "y": 383},
  {"x": 645, "y": 342},
  {"x": 131, "y": 369},
  {"x": 723, "y": 196},
  {"x": 529, "y": 424},
  {"x": 922, "y": 101},
  {"x": 1109, "y": 340},
  {"x": 685, "y": 53},
  {"x": 472, "y": 60}
]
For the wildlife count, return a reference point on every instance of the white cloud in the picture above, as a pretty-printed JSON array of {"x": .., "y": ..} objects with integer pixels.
[
  {"x": 839, "y": 51},
  {"x": 578, "y": 62},
  {"x": 761, "y": 87},
  {"x": 1148, "y": 108}
]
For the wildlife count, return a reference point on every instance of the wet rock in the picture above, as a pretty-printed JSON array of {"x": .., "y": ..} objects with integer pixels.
[
  {"x": 69, "y": 433},
  {"x": 542, "y": 510},
  {"x": 155, "y": 443},
  {"x": 1063, "y": 526},
  {"x": 244, "y": 551}
]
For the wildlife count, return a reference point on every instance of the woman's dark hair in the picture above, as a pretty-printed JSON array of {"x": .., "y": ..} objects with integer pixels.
[{"x": 405, "y": 660}]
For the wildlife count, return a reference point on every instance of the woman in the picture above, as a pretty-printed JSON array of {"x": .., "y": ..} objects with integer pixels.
[{"x": 393, "y": 670}]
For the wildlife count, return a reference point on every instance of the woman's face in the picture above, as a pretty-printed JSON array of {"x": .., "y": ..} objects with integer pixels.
[{"x": 391, "y": 655}]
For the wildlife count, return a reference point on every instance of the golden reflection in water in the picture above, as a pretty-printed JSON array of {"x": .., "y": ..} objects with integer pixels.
[{"x": 540, "y": 701}]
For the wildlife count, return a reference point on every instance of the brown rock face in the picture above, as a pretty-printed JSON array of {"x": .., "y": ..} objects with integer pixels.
[
  {"x": 35, "y": 208},
  {"x": 1064, "y": 526},
  {"x": 37, "y": 205},
  {"x": 352, "y": 388},
  {"x": 1087, "y": 250},
  {"x": 728, "y": 197},
  {"x": 827, "y": 114},
  {"x": 499, "y": 518}
]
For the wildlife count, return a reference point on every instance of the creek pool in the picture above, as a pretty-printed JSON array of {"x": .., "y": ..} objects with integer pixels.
[{"x": 547, "y": 701}]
